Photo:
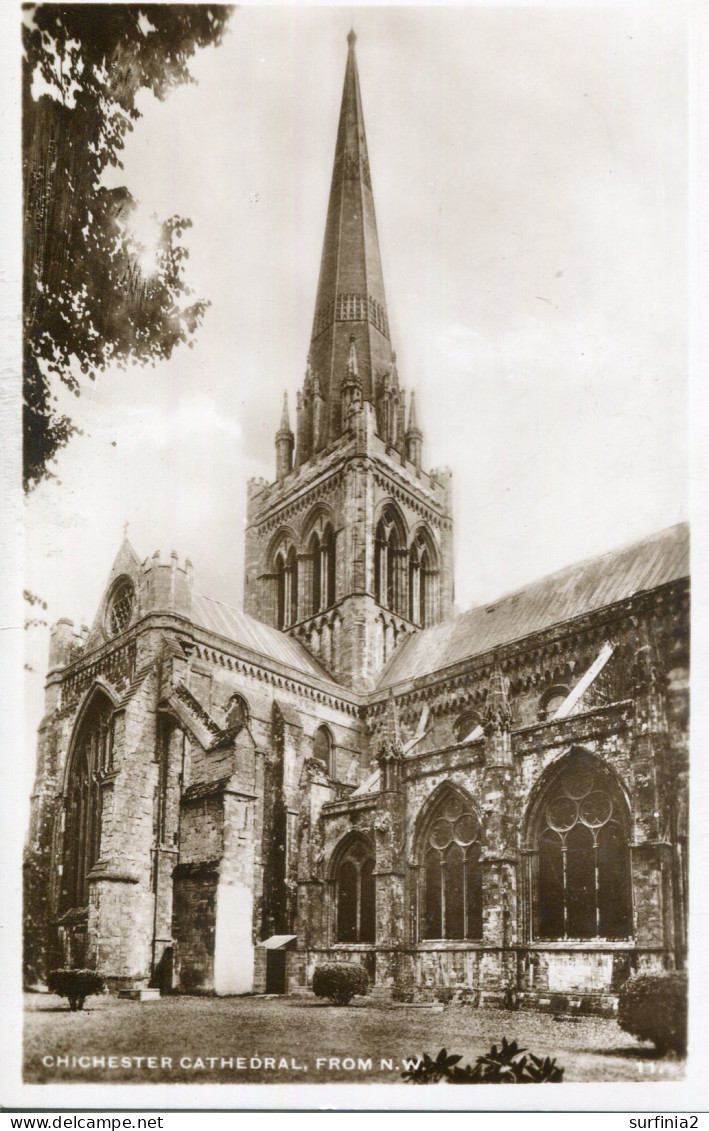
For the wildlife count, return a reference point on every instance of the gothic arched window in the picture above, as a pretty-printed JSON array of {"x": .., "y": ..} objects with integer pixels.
[
  {"x": 451, "y": 883},
  {"x": 321, "y": 550},
  {"x": 423, "y": 575},
  {"x": 286, "y": 571},
  {"x": 583, "y": 873},
  {"x": 323, "y": 748},
  {"x": 355, "y": 898},
  {"x": 121, "y": 606},
  {"x": 91, "y": 758},
  {"x": 237, "y": 712},
  {"x": 388, "y": 581}
]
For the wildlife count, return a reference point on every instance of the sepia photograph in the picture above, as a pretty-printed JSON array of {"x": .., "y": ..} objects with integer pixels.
[{"x": 356, "y": 468}]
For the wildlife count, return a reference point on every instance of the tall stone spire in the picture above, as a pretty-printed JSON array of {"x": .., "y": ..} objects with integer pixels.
[{"x": 350, "y": 300}]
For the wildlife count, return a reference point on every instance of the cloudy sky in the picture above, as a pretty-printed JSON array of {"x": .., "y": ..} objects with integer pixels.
[{"x": 529, "y": 169}]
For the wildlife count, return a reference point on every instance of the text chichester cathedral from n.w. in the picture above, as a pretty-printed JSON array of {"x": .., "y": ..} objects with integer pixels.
[{"x": 490, "y": 804}]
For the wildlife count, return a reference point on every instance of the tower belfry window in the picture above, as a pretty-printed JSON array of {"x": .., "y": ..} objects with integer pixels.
[
  {"x": 388, "y": 578},
  {"x": 423, "y": 577},
  {"x": 286, "y": 576}
]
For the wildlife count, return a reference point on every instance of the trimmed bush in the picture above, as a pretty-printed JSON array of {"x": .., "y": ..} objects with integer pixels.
[
  {"x": 76, "y": 985},
  {"x": 653, "y": 1007},
  {"x": 340, "y": 981},
  {"x": 405, "y": 993}
]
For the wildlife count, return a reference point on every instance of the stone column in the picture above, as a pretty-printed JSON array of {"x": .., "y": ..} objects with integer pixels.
[
  {"x": 652, "y": 862},
  {"x": 390, "y": 870},
  {"x": 499, "y": 857}
]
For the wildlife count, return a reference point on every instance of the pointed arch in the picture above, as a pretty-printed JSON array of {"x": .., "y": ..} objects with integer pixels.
[
  {"x": 318, "y": 539},
  {"x": 120, "y": 605},
  {"x": 577, "y": 829},
  {"x": 424, "y": 571},
  {"x": 90, "y": 759},
  {"x": 390, "y": 542},
  {"x": 323, "y": 747},
  {"x": 320, "y": 516},
  {"x": 447, "y": 848},
  {"x": 353, "y": 890},
  {"x": 238, "y": 713},
  {"x": 283, "y": 563}
]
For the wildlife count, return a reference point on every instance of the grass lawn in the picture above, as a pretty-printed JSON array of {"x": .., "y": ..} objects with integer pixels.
[{"x": 298, "y": 1033}]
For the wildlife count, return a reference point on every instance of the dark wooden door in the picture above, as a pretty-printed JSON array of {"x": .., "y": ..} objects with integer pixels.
[{"x": 275, "y": 971}]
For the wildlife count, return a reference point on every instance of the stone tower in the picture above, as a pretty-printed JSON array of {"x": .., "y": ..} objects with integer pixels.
[{"x": 350, "y": 548}]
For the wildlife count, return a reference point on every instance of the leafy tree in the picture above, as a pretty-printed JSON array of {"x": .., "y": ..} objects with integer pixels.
[{"x": 86, "y": 301}]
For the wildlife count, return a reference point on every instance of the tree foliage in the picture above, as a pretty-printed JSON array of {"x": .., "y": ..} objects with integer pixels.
[
  {"x": 86, "y": 301},
  {"x": 506, "y": 1065}
]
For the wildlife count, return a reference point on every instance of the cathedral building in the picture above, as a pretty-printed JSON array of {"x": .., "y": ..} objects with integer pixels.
[{"x": 490, "y": 804}]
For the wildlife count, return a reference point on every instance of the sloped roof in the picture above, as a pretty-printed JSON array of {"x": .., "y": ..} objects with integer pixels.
[
  {"x": 250, "y": 633},
  {"x": 559, "y": 597}
]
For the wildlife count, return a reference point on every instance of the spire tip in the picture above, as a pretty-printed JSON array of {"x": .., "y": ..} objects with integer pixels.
[{"x": 351, "y": 38}]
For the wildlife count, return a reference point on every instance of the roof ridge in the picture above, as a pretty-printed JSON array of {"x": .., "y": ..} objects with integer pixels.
[{"x": 613, "y": 552}]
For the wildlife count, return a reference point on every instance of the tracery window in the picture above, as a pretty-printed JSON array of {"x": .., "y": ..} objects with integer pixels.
[
  {"x": 451, "y": 903},
  {"x": 355, "y": 897},
  {"x": 91, "y": 759},
  {"x": 583, "y": 867},
  {"x": 120, "y": 608}
]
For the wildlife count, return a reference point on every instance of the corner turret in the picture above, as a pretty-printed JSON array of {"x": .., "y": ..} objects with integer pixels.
[{"x": 285, "y": 442}]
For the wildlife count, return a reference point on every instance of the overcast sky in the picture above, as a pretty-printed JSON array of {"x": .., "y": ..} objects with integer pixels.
[{"x": 529, "y": 169}]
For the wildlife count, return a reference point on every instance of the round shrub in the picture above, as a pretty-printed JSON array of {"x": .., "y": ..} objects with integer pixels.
[
  {"x": 340, "y": 981},
  {"x": 76, "y": 985},
  {"x": 653, "y": 1007}
]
